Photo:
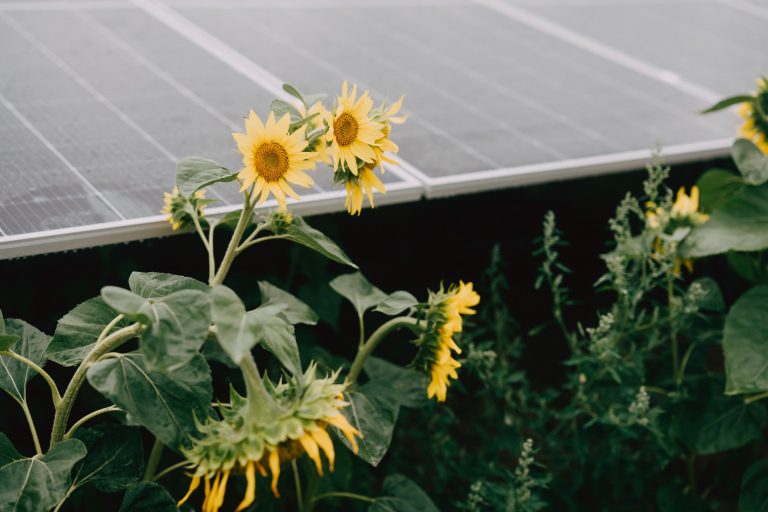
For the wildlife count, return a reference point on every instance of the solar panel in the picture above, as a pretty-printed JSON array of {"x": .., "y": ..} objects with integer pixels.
[{"x": 98, "y": 100}]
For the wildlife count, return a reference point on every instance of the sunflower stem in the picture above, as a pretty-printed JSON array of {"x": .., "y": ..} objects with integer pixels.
[
  {"x": 297, "y": 483},
  {"x": 154, "y": 460},
  {"x": 367, "y": 348},
  {"x": 260, "y": 404},
  {"x": 229, "y": 256},
  {"x": 79, "y": 423},
  {"x": 349, "y": 495},
  {"x": 207, "y": 243},
  {"x": 32, "y": 428},
  {"x": 51, "y": 384}
]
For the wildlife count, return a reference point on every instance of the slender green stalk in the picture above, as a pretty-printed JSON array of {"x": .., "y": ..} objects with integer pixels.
[
  {"x": 297, "y": 483},
  {"x": 170, "y": 469},
  {"x": 244, "y": 245},
  {"x": 32, "y": 429},
  {"x": 683, "y": 364},
  {"x": 349, "y": 495},
  {"x": 51, "y": 384},
  {"x": 249, "y": 241},
  {"x": 361, "y": 326},
  {"x": 79, "y": 423},
  {"x": 234, "y": 242},
  {"x": 154, "y": 459},
  {"x": 673, "y": 325},
  {"x": 103, "y": 346},
  {"x": 207, "y": 243},
  {"x": 367, "y": 348},
  {"x": 754, "y": 398}
]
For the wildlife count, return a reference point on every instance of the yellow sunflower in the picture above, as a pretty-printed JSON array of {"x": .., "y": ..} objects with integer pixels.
[
  {"x": 353, "y": 132},
  {"x": 273, "y": 158},
  {"x": 320, "y": 145},
  {"x": 388, "y": 116},
  {"x": 364, "y": 182},
  {"x": 752, "y": 128},
  {"x": 174, "y": 207}
]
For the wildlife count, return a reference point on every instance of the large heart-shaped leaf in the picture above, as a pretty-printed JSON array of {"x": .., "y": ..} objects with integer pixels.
[
  {"x": 152, "y": 285},
  {"x": 78, "y": 330},
  {"x": 196, "y": 172},
  {"x": 165, "y": 402},
  {"x": 397, "y": 302},
  {"x": 38, "y": 483},
  {"x": 750, "y": 161},
  {"x": 296, "y": 311},
  {"x": 375, "y": 418},
  {"x": 403, "y": 386},
  {"x": 716, "y": 186},
  {"x": 401, "y": 494},
  {"x": 115, "y": 458},
  {"x": 30, "y": 343},
  {"x": 359, "y": 291},
  {"x": 754, "y": 488},
  {"x": 302, "y": 233},
  {"x": 745, "y": 343},
  {"x": 276, "y": 334},
  {"x": 148, "y": 497}
]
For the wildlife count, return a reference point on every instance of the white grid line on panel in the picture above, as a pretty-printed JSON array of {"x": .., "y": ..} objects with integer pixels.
[
  {"x": 101, "y": 98},
  {"x": 310, "y": 4},
  {"x": 614, "y": 55},
  {"x": 23, "y": 120},
  {"x": 64, "y": 5}
]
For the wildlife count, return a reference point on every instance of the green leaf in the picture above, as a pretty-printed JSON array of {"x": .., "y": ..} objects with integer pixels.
[
  {"x": 165, "y": 402},
  {"x": 359, "y": 291},
  {"x": 296, "y": 311},
  {"x": 2, "y": 324},
  {"x": 280, "y": 108},
  {"x": 754, "y": 488},
  {"x": 7, "y": 341},
  {"x": 716, "y": 186},
  {"x": 125, "y": 302},
  {"x": 195, "y": 172},
  {"x": 152, "y": 285},
  {"x": 78, "y": 330},
  {"x": 375, "y": 418},
  {"x": 396, "y": 303},
  {"x": 730, "y": 101},
  {"x": 751, "y": 266},
  {"x": 394, "y": 383},
  {"x": 750, "y": 161},
  {"x": 302, "y": 233},
  {"x": 740, "y": 224},
  {"x": 31, "y": 343},
  {"x": 276, "y": 334},
  {"x": 148, "y": 497},
  {"x": 294, "y": 92},
  {"x": 401, "y": 494},
  {"x": 8, "y": 453},
  {"x": 115, "y": 458},
  {"x": 745, "y": 343},
  {"x": 38, "y": 483}
]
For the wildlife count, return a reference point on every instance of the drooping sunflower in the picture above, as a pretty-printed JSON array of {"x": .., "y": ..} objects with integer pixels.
[
  {"x": 753, "y": 108},
  {"x": 241, "y": 444},
  {"x": 436, "y": 344},
  {"x": 273, "y": 158},
  {"x": 176, "y": 206},
  {"x": 353, "y": 132},
  {"x": 320, "y": 144},
  {"x": 364, "y": 182},
  {"x": 388, "y": 116}
]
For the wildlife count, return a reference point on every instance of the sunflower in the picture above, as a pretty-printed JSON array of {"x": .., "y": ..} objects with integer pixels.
[
  {"x": 353, "y": 132},
  {"x": 436, "y": 344},
  {"x": 755, "y": 127},
  {"x": 364, "y": 182},
  {"x": 387, "y": 116},
  {"x": 273, "y": 158},
  {"x": 240, "y": 444},
  {"x": 318, "y": 145},
  {"x": 175, "y": 206}
]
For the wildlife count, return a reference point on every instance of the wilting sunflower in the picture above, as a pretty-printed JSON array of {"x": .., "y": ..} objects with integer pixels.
[
  {"x": 673, "y": 222},
  {"x": 177, "y": 207},
  {"x": 364, "y": 182},
  {"x": 387, "y": 116},
  {"x": 273, "y": 158},
  {"x": 241, "y": 443},
  {"x": 436, "y": 345},
  {"x": 353, "y": 132}
]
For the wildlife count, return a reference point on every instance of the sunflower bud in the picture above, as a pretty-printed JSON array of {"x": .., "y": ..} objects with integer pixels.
[{"x": 180, "y": 209}]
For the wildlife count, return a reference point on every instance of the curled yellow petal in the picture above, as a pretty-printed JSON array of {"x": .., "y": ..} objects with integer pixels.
[
  {"x": 250, "y": 488},
  {"x": 274, "y": 466},
  {"x": 323, "y": 440},
  {"x": 312, "y": 450},
  {"x": 194, "y": 484}
]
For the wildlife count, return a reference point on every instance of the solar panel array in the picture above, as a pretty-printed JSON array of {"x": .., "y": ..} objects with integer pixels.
[{"x": 99, "y": 99}]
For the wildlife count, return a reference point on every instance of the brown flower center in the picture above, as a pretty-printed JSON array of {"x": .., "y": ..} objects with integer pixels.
[
  {"x": 345, "y": 129},
  {"x": 271, "y": 161}
]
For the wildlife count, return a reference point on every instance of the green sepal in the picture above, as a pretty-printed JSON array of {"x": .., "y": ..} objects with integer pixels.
[{"x": 729, "y": 102}]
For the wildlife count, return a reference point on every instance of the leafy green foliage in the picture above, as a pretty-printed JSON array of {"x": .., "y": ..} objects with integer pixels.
[
  {"x": 375, "y": 418},
  {"x": 302, "y": 233},
  {"x": 115, "y": 458},
  {"x": 744, "y": 345},
  {"x": 754, "y": 488},
  {"x": 359, "y": 291},
  {"x": 295, "y": 311},
  {"x": 30, "y": 343},
  {"x": 78, "y": 330},
  {"x": 148, "y": 497},
  {"x": 402, "y": 495},
  {"x": 196, "y": 172}
]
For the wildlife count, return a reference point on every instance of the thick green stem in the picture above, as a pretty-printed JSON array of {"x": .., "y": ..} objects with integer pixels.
[
  {"x": 234, "y": 242},
  {"x": 297, "y": 483},
  {"x": 107, "y": 344},
  {"x": 154, "y": 459},
  {"x": 51, "y": 384},
  {"x": 79, "y": 423},
  {"x": 32, "y": 429},
  {"x": 261, "y": 405},
  {"x": 367, "y": 348},
  {"x": 349, "y": 495}
]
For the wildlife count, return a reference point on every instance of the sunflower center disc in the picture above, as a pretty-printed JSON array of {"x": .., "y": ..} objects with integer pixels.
[
  {"x": 271, "y": 161},
  {"x": 345, "y": 129}
]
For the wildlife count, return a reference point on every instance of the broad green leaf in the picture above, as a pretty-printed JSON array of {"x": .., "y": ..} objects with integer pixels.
[
  {"x": 304, "y": 234},
  {"x": 148, "y": 497},
  {"x": 754, "y": 488},
  {"x": 716, "y": 186},
  {"x": 359, "y": 291},
  {"x": 396, "y": 303},
  {"x": 38, "y": 483},
  {"x": 375, "y": 418},
  {"x": 165, "y": 402},
  {"x": 7, "y": 341},
  {"x": 276, "y": 334},
  {"x": 750, "y": 161},
  {"x": 8, "y": 453},
  {"x": 152, "y": 285},
  {"x": 115, "y": 458},
  {"x": 195, "y": 172},
  {"x": 729, "y": 102},
  {"x": 401, "y": 494},
  {"x": 125, "y": 302},
  {"x": 403, "y": 386},
  {"x": 78, "y": 330},
  {"x": 751, "y": 266},
  {"x": 31, "y": 344},
  {"x": 280, "y": 108},
  {"x": 294, "y": 92},
  {"x": 740, "y": 224},
  {"x": 745, "y": 343},
  {"x": 294, "y": 309}
]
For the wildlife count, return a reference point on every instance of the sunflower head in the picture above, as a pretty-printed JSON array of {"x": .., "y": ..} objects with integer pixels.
[
  {"x": 443, "y": 317},
  {"x": 358, "y": 184},
  {"x": 273, "y": 157},
  {"x": 179, "y": 208},
  {"x": 755, "y": 115},
  {"x": 353, "y": 131},
  {"x": 387, "y": 116},
  {"x": 318, "y": 133},
  {"x": 236, "y": 444}
]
